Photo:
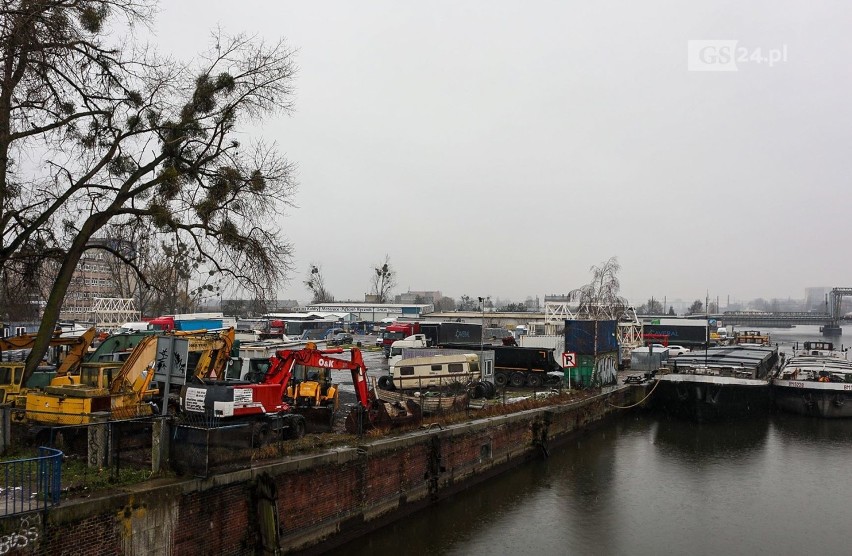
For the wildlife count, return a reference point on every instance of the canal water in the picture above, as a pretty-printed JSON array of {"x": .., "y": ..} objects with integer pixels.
[{"x": 643, "y": 484}]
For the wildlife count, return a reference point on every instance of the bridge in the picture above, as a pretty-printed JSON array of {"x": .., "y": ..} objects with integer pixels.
[{"x": 829, "y": 322}]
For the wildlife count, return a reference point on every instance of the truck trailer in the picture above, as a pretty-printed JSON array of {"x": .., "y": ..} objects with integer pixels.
[
  {"x": 442, "y": 334},
  {"x": 524, "y": 366}
]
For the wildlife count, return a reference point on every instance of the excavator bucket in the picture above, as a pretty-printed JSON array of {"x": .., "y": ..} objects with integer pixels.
[{"x": 383, "y": 415}]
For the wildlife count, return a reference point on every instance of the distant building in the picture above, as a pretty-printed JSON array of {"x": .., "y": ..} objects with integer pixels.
[
  {"x": 815, "y": 299},
  {"x": 99, "y": 274},
  {"x": 533, "y": 305},
  {"x": 370, "y": 312},
  {"x": 423, "y": 297}
]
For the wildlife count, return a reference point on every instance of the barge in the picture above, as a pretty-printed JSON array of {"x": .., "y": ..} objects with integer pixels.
[
  {"x": 719, "y": 383},
  {"x": 816, "y": 381}
]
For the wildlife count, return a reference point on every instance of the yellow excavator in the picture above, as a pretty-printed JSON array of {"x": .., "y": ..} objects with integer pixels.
[
  {"x": 122, "y": 389},
  {"x": 12, "y": 372}
]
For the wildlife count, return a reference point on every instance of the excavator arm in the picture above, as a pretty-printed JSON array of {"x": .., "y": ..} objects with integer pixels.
[
  {"x": 76, "y": 353},
  {"x": 215, "y": 348},
  {"x": 138, "y": 370},
  {"x": 78, "y": 347}
]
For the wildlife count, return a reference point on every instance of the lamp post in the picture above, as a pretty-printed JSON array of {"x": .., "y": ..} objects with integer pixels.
[
  {"x": 482, "y": 324},
  {"x": 482, "y": 332}
]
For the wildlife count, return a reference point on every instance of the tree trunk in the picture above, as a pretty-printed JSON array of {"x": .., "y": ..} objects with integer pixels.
[{"x": 57, "y": 294}]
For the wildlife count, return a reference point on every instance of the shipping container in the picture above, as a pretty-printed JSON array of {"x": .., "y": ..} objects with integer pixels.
[{"x": 591, "y": 337}]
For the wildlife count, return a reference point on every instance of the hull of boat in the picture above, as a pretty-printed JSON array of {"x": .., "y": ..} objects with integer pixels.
[
  {"x": 817, "y": 399},
  {"x": 711, "y": 398}
]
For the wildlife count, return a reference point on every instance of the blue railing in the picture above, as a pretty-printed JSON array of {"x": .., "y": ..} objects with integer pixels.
[{"x": 31, "y": 484}]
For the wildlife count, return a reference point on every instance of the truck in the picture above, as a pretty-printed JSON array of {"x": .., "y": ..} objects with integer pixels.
[
  {"x": 443, "y": 334},
  {"x": 413, "y": 341},
  {"x": 684, "y": 332},
  {"x": 189, "y": 321},
  {"x": 398, "y": 331},
  {"x": 525, "y": 366}
]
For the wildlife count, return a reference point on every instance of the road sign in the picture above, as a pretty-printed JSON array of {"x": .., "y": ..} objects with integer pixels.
[{"x": 569, "y": 359}]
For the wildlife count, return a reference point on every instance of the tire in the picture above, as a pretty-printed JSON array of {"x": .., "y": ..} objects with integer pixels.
[
  {"x": 501, "y": 378},
  {"x": 534, "y": 380},
  {"x": 297, "y": 427},
  {"x": 517, "y": 379},
  {"x": 491, "y": 390},
  {"x": 479, "y": 391},
  {"x": 385, "y": 382}
]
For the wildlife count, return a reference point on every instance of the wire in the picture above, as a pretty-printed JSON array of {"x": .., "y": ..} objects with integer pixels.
[{"x": 637, "y": 403}]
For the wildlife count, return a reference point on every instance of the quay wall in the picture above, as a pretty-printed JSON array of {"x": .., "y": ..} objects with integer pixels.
[{"x": 304, "y": 504}]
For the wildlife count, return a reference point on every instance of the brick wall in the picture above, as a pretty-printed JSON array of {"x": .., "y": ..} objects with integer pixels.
[{"x": 322, "y": 500}]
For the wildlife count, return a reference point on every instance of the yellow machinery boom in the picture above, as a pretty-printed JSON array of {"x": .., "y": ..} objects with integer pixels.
[
  {"x": 11, "y": 373},
  {"x": 120, "y": 390},
  {"x": 123, "y": 389}
]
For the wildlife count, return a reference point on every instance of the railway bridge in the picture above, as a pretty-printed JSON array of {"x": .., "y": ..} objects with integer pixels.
[{"x": 829, "y": 321}]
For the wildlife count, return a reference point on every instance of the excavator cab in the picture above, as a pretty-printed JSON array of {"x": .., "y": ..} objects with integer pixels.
[
  {"x": 11, "y": 374},
  {"x": 312, "y": 387},
  {"x": 66, "y": 352}
]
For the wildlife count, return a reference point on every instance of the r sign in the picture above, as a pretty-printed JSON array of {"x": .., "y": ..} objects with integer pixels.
[{"x": 569, "y": 359}]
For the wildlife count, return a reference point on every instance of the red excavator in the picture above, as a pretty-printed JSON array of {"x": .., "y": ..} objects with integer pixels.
[{"x": 277, "y": 406}]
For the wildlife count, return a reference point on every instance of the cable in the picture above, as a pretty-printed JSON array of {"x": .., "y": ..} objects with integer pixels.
[{"x": 637, "y": 403}]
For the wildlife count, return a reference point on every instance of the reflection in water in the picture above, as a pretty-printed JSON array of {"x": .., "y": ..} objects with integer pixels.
[{"x": 646, "y": 485}]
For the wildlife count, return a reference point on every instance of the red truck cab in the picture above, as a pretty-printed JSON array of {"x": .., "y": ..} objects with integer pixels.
[
  {"x": 398, "y": 331},
  {"x": 166, "y": 323}
]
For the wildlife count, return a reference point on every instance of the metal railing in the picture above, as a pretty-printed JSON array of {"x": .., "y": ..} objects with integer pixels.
[{"x": 31, "y": 484}]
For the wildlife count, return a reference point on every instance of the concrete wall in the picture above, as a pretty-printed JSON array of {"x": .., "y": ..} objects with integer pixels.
[{"x": 322, "y": 500}]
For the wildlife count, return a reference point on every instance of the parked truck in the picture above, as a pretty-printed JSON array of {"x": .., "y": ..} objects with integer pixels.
[
  {"x": 413, "y": 341},
  {"x": 189, "y": 321},
  {"x": 685, "y": 332},
  {"x": 443, "y": 334},
  {"x": 398, "y": 331},
  {"x": 525, "y": 366}
]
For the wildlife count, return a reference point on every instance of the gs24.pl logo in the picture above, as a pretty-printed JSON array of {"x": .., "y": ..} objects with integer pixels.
[{"x": 725, "y": 55}]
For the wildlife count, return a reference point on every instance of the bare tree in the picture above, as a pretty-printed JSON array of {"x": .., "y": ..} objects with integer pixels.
[
  {"x": 127, "y": 139},
  {"x": 383, "y": 281},
  {"x": 599, "y": 299},
  {"x": 316, "y": 284},
  {"x": 652, "y": 307},
  {"x": 445, "y": 304}
]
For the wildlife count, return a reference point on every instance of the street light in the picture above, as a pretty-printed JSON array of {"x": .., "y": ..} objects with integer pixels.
[{"x": 482, "y": 332}]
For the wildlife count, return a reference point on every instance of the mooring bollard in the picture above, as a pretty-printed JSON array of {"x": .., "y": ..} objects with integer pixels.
[
  {"x": 5, "y": 427},
  {"x": 98, "y": 445},
  {"x": 159, "y": 445}
]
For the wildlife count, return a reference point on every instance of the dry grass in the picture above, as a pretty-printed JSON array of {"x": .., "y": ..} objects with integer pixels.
[{"x": 315, "y": 443}]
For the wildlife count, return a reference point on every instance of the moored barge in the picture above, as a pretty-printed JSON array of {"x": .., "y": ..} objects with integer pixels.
[
  {"x": 816, "y": 381},
  {"x": 720, "y": 383}
]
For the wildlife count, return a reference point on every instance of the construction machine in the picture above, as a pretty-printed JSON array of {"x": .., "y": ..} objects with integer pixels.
[
  {"x": 214, "y": 348},
  {"x": 118, "y": 379},
  {"x": 119, "y": 390},
  {"x": 271, "y": 405},
  {"x": 12, "y": 372}
]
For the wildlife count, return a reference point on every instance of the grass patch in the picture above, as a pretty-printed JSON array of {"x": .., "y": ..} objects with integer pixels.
[
  {"x": 308, "y": 444},
  {"x": 80, "y": 480}
]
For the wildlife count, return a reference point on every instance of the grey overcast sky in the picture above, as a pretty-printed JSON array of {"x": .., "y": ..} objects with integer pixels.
[{"x": 502, "y": 148}]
